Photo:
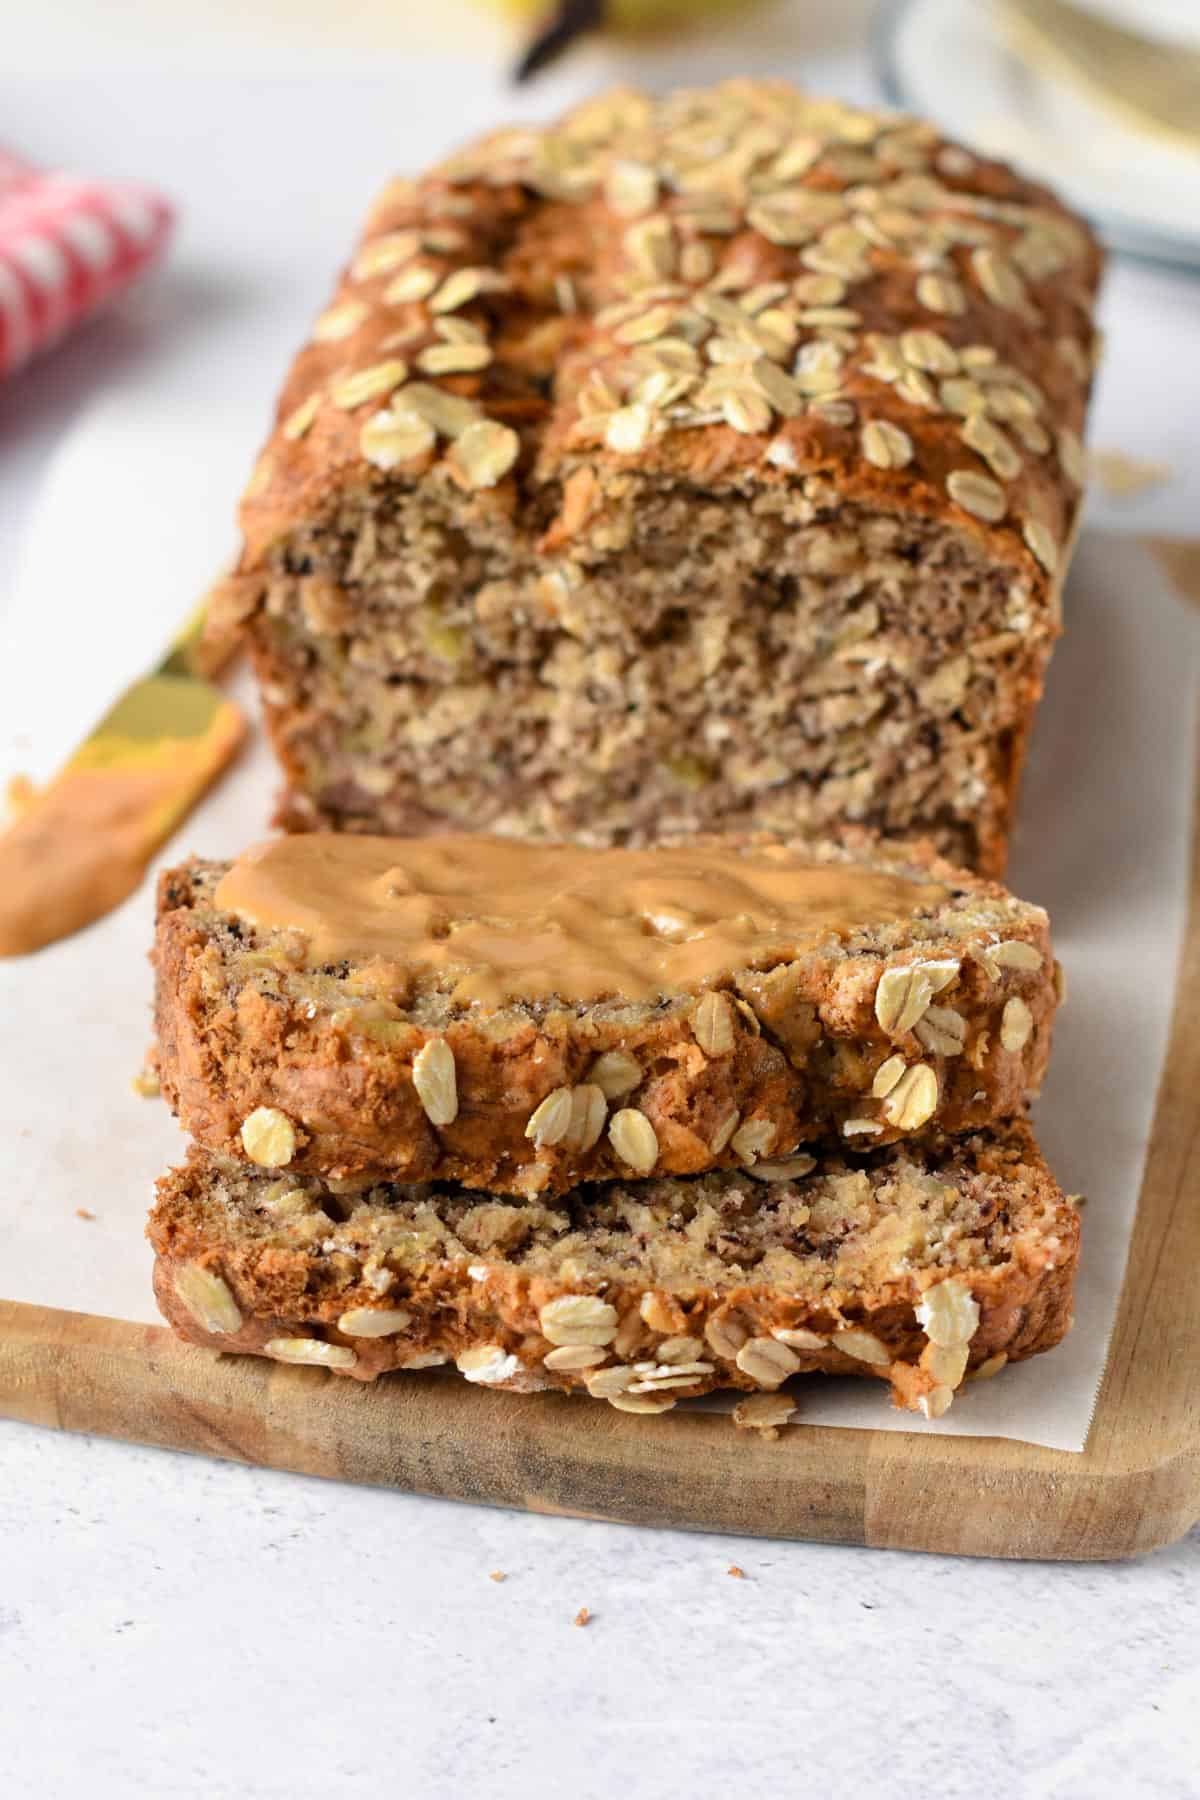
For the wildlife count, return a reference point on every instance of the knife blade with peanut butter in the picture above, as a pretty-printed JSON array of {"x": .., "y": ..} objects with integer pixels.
[{"x": 81, "y": 844}]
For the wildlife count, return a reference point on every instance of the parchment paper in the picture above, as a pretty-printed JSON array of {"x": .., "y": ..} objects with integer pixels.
[{"x": 133, "y": 522}]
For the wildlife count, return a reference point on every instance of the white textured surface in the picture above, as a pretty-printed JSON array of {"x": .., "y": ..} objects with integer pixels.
[{"x": 178, "y": 1629}]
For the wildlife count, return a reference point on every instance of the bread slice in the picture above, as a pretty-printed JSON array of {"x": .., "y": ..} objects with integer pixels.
[
  {"x": 916, "y": 1263},
  {"x": 699, "y": 462},
  {"x": 935, "y": 1018}
]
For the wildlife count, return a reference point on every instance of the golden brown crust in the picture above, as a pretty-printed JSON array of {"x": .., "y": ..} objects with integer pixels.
[
  {"x": 982, "y": 1215},
  {"x": 809, "y": 1042},
  {"x": 497, "y": 206}
]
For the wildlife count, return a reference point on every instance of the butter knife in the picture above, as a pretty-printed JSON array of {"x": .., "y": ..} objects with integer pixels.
[{"x": 81, "y": 844}]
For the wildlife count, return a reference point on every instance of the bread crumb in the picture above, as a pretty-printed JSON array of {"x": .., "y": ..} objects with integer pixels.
[
  {"x": 764, "y": 1414},
  {"x": 582, "y": 1616},
  {"x": 81, "y": 1212},
  {"x": 497, "y": 1575},
  {"x": 739, "y": 1574},
  {"x": 146, "y": 1084}
]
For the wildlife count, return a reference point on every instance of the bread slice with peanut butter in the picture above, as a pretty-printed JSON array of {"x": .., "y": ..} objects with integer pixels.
[
  {"x": 924, "y": 1264},
  {"x": 524, "y": 1018}
]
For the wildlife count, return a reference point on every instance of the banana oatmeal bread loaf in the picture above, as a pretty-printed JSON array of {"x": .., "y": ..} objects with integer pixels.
[
  {"x": 918, "y": 1263},
  {"x": 524, "y": 1017},
  {"x": 698, "y": 462}
]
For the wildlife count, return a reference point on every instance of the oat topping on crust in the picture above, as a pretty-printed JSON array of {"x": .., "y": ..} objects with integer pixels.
[{"x": 751, "y": 244}]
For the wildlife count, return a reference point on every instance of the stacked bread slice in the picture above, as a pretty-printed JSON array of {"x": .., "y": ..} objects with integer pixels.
[{"x": 638, "y": 1123}]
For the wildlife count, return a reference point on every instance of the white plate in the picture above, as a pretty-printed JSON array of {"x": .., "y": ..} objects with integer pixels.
[
  {"x": 1170, "y": 21},
  {"x": 951, "y": 63}
]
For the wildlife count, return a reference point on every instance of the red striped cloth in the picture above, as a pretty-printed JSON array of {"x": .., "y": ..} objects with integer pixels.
[{"x": 66, "y": 246}]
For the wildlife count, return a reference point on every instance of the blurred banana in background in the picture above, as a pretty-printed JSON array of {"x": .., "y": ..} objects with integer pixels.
[
  {"x": 622, "y": 15},
  {"x": 553, "y": 27}
]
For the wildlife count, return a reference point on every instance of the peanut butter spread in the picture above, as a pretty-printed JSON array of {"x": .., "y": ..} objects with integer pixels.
[{"x": 495, "y": 920}]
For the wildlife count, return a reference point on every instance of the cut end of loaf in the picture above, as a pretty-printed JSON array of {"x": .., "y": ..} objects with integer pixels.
[{"x": 757, "y": 657}]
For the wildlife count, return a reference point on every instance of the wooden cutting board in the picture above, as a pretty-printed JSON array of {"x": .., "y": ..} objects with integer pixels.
[{"x": 1136, "y": 1486}]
